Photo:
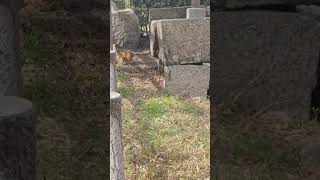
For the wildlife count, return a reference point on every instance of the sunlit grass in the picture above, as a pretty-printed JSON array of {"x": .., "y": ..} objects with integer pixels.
[{"x": 166, "y": 136}]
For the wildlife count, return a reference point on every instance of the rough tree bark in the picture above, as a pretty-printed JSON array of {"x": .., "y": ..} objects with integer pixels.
[
  {"x": 116, "y": 150},
  {"x": 17, "y": 139}
]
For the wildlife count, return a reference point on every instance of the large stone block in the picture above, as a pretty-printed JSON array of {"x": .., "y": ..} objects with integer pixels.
[
  {"x": 187, "y": 79},
  {"x": 184, "y": 41},
  {"x": 196, "y": 12},
  {"x": 167, "y": 13},
  {"x": 125, "y": 29},
  {"x": 265, "y": 61},
  {"x": 232, "y": 4}
]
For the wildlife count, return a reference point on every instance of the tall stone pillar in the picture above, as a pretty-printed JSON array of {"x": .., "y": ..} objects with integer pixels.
[
  {"x": 195, "y": 11},
  {"x": 116, "y": 149},
  {"x": 113, "y": 74},
  {"x": 11, "y": 61}
]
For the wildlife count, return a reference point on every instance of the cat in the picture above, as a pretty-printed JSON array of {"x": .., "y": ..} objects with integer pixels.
[{"x": 123, "y": 56}]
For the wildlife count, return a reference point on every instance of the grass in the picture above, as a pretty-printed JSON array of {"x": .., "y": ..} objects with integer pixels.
[
  {"x": 192, "y": 109},
  {"x": 165, "y": 136},
  {"x": 125, "y": 91},
  {"x": 121, "y": 76}
]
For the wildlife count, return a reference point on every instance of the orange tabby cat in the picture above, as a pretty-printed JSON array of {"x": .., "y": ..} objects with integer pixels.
[{"x": 124, "y": 56}]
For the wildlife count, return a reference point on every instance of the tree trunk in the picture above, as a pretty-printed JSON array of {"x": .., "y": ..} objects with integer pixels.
[
  {"x": 17, "y": 139},
  {"x": 116, "y": 150}
]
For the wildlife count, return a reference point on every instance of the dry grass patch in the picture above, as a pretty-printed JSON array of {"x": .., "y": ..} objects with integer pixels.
[{"x": 165, "y": 136}]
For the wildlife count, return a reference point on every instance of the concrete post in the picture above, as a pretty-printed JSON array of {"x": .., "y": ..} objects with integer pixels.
[
  {"x": 116, "y": 149},
  {"x": 111, "y": 41},
  {"x": 196, "y": 11},
  {"x": 113, "y": 73},
  {"x": 11, "y": 61}
]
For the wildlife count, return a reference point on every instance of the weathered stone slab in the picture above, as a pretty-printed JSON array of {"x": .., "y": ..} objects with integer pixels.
[
  {"x": 232, "y": 4},
  {"x": 126, "y": 29},
  {"x": 116, "y": 148},
  {"x": 187, "y": 79},
  {"x": 113, "y": 72},
  {"x": 167, "y": 13},
  {"x": 265, "y": 60},
  {"x": 154, "y": 46},
  {"x": 10, "y": 59},
  {"x": 184, "y": 41},
  {"x": 196, "y": 12}
]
